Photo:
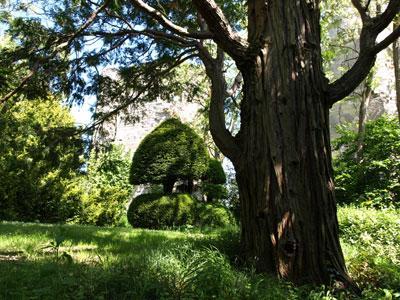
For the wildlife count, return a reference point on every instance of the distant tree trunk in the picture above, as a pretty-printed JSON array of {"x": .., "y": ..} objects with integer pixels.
[
  {"x": 168, "y": 185},
  {"x": 340, "y": 109},
  {"x": 190, "y": 186},
  {"x": 362, "y": 118},
  {"x": 396, "y": 63}
]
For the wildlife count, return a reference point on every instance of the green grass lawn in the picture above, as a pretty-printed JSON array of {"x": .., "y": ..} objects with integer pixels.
[{"x": 40, "y": 261}]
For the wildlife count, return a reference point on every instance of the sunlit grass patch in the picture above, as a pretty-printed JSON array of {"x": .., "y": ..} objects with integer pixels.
[{"x": 86, "y": 262}]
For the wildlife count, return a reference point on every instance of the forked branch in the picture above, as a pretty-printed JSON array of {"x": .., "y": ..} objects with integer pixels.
[
  {"x": 371, "y": 28},
  {"x": 224, "y": 35}
]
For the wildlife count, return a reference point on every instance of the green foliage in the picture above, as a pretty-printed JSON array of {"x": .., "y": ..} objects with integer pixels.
[
  {"x": 372, "y": 246},
  {"x": 158, "y": 211},
  {"x": 213, "y": 215},
  {"x": 375, "y": 180},
  {"x": 213, "y": 180},
  {"x": 214, "y": 191},
  {"x": 105, "y": 189},
  {"x": 39, "y": 155},
  {"x": 215, "y": 173},
  {"x": 170, "y": 152},
  {"x": 121, "y": 263}
]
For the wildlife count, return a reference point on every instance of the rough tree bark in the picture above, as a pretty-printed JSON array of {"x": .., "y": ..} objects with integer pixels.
[
  {"x": 283, "y": 161},
  {"x": 282, "y": 154},
  {"x": 285, "y": 130}
]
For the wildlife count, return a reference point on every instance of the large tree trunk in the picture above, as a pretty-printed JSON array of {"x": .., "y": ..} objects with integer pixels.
[
  {"x": 288, "y": 210},
  {"x": 282, "y": 153}
]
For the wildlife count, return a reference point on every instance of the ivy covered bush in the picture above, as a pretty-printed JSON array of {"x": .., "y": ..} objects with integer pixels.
[
  {"x": 157, "y": 211},
  {"x": 171, "y": 152},
  {"x": 373, "y": 181}
]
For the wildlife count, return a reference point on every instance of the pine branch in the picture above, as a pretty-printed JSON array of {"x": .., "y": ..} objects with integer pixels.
[{"x": 168, "y": 24}]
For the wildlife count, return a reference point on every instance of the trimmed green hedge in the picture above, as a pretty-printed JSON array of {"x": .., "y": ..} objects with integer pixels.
[
  {"x": 213, "y": 215},
  {"x": 170, "y": 152},
  {"x": 157, "y": 211}
]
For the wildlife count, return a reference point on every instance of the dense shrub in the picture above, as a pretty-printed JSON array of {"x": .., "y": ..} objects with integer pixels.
[
  {"x": 171, "y": 152},
  {"x": 375, "y": 180},
  {"x": 213, "y": 180},
  {"x": 105, "y": 189},
  {"x": 158, "y": 211},
  {"x": 371, "y": 243},
  {"x": 214, "y": 191},
  {"x": 213, "y": 215},
  {"x": 215, "y": 173},
  {"x": 39, "y": 156}
]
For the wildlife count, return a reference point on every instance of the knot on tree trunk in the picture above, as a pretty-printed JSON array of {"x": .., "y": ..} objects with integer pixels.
[{"x": 289, "y": 247}]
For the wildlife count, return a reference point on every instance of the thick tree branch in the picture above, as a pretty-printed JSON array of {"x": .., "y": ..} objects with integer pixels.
[
  {"x": 168, "y": 24},
  {"x": 222, "y": 137},
  {"x": 154, "y": 34},
  {"x": 391, "y": 38},
  {"x": 371, "y": 28},
  {"x": 224, "y": 35},
  {"x": 383, "y": 20}
]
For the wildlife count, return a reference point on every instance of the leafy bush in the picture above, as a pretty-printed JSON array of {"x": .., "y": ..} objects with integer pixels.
[
  {"x": 375, "y": 180},
  {"x": 158, "y": 211},
  {"x": 214, "y": 191},
  {"x": 170, "y": 152},
  {"x": 371, "y": 244},
  {"x": 213, "y": 181},
  {"x": 105, "y": 189},
  {"x": 39, "y": 156},
  {"x": 213, "y": 215},
  {"x": 215, "y": 173}
]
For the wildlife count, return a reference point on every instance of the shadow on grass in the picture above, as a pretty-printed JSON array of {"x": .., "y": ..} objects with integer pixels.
[{"x": 131, "y": 264}]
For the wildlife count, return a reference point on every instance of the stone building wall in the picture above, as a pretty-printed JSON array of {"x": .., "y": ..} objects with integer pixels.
[{"x": 146, "y": 117}]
